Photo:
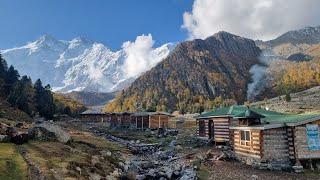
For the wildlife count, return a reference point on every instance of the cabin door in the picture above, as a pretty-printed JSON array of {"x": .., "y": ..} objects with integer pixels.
[{"x": 211, "y": 129}]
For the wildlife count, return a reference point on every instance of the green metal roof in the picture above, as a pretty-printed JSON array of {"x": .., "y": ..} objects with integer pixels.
[
  {"x": 291, "y": 118},
  {"x": 240, "y": 111},
  {"x": 249, "y": 114},
  {"x": 232, "y": 111}
]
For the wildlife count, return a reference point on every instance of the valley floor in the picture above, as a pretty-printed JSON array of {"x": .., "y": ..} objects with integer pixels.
[{"x": 92, "y": 155}]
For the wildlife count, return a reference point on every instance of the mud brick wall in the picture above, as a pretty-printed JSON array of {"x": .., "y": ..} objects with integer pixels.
[
  {"x": 276, "y": 147},
  {"x": 301, "y": 145}
]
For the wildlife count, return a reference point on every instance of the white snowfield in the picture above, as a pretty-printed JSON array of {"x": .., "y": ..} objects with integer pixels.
[{"x": 83, "y": 65}]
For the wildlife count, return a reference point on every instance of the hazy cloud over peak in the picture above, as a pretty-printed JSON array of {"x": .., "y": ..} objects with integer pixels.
[{"x": 257, "y": 19}]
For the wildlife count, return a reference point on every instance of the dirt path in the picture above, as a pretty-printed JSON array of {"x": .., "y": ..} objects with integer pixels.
[{"x": 34, "y": 171}]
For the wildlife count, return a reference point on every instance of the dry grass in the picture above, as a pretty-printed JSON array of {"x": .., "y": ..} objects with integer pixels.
[
  {"x": 12, "y": 164},
  {"x": 62, "y": 161}
]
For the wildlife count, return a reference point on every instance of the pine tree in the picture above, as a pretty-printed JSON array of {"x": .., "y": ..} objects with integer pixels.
[
  {"x": 3, "y": 67},
  {"x": 11, "y": 77}
]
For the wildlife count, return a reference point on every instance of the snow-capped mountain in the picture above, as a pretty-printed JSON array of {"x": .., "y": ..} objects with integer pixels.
[{"x": 76, "y": 65}]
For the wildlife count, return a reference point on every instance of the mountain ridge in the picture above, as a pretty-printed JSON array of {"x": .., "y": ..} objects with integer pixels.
[
  {"x": 195, "y": 72},
  {"x": 79, "y": 64}
]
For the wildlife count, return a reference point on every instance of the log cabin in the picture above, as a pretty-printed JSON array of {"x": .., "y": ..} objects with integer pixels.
[
  {"x": 275, "y": 141},
  {"x": 150, "y": 120},
  {"x": 215, "y": 124},
  {"x": 94, "y": 115},
  {"x": 120, "y": 120}
]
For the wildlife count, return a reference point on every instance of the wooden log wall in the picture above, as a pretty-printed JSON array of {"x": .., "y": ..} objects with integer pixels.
[
  {"x": 254, "y": 150},
  {"x": 301, "y": 145},
  {"x": 158, "y": 121},
  {"x": 276, "y": 145},
  {"x": 145, "y": 122},
  {"x": 221, "y": 129},
  {"x": 203, "y": 123},
  {"x": 114, "y": 120},
  {"x": 291, "y": 146},
  {"x": 125, "y": 120}
]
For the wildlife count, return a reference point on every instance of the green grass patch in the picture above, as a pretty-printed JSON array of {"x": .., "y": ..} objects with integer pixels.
[{"x": 12, "y": 164}]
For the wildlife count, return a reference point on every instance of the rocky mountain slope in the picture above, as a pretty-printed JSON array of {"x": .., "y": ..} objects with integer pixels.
[
  {"x": 193, "y": 76},
  {"x": 79, "y": 64},
  {"x": 304, "y": 101},
  {"x": 304, "y": 41},
  {"x": 307, "y": 35}
]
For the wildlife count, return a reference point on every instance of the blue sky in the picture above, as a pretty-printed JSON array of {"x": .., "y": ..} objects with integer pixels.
[{"x": 111, "y": 22}]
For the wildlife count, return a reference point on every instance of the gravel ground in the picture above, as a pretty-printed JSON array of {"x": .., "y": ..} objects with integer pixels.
[{"x": 236, "y": 170}]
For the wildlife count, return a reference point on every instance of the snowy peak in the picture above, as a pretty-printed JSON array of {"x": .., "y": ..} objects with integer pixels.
[{"x": 79, "y": 64}]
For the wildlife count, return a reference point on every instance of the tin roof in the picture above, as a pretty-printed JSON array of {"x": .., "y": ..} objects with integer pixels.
[
  {"x": 249, "y": 114},
  {"x": 232, "y": 111},
  {"x": 269, "y": 117}
]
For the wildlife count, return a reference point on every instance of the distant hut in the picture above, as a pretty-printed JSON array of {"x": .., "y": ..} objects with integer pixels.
[
  {"x": 150, "y": 120},
  {"x": 121, "y": 119},
  {"x": 94, "y": 115},
  {"x": 114, "y": 120}
]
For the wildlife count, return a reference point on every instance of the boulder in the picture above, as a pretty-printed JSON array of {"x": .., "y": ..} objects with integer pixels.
[
  {"x": 20, "y": 139},
  {"x": 11, "y": 131},
  {"x": 3, "y": 128},
  {"x": 22, "y": 125},
  {"x": 4, "y": 138},
  {"x": 48, "y": 132}
]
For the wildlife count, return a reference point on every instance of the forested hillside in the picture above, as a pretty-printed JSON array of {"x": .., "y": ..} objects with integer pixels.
[
  {"x": 287, "y": 77},
  {"x": 20, "y": 93},
  {"x": 196, "y": 76}
]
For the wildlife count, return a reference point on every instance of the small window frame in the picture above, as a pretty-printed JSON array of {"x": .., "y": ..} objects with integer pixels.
[{"x": 245, "y": 138}]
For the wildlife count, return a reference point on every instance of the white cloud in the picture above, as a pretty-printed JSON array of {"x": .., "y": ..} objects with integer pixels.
[
  {"x": 140, "y": 55},
  {"x": 257, "y": 19}
]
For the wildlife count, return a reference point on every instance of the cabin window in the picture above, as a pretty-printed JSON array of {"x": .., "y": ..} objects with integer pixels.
[{"x": 245, "y": 139}]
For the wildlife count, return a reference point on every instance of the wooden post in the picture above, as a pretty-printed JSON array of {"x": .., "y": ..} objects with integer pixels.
[
  {"x": 149, "y": 122},
  {"x": 159, "y": 126},
  {"x": 142, "y": 122},
  {"x": 136, "y": 122}
]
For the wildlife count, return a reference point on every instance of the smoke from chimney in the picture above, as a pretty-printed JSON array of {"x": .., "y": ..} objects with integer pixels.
[{"x": 259, "y": 76}]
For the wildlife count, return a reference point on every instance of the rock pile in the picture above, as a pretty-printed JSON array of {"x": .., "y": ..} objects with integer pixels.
[
  {"x": 162, "y": 164},
  {"x": 135, "y": 146},
  {"x": 11, "y": 134}
]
